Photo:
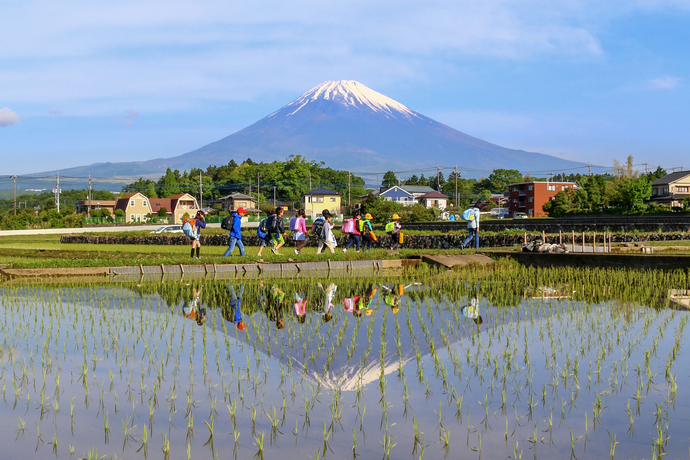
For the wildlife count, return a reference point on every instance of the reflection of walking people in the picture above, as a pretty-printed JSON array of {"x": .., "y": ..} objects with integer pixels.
[
  {"x": 300, "y": 306},
  {"x": 326, "y": 296},
  {"x": 235, "y": 238},
  {"x": 473, "y": 227},
  {"x": 471, "y": 311},
  {"x": 234, "y": 314},
  {"x": 193, "y": 309},
  {"x": 273, "y": 305}
]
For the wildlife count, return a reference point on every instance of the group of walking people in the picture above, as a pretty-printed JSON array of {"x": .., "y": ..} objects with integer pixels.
[{"x": 272, "y": 232}]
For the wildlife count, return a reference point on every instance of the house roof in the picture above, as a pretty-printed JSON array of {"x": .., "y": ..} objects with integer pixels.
[
  {"x": 322, "y": 191},
  {"x": 98, "y": 202},
  {"x": 434, "y": 195},
  {"x": 237, "y": 196},
  {"x": 158, "y": 203},
  {"x": 123, "y": 201},
  {"x": 417, "y": 188},
  {"x": 394, "y": 187},
  {"x": 671, "y": 178}
]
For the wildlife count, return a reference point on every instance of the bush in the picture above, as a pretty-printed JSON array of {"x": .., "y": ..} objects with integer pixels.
[
  {"x": 162, "y": 212},
  {"x": 119, "y": 213}
]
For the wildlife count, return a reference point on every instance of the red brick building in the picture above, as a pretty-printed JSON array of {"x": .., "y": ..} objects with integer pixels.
[{"x": 530, "y": 197}]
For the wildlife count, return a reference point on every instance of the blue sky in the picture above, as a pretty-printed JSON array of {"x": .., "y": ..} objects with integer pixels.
[{"x": 94, "y": 81}]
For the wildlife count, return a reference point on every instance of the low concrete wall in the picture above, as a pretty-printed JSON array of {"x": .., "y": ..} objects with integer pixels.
[{"x": 589, "y": 260}]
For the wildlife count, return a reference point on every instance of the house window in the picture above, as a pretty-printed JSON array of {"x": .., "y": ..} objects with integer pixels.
[
  {"x": 318, "y": 199},
  {"x": 531, "y": 187},
  {"x": 551, "y": 188},
  {"x": 143, "y": 203},
  {"x": 131, "y": 217},
  {"x": 530, "y": 199},
  {"x": 655, "y": 191},
  {"x": 665, "y": 192},
  {"x": 682, "y": 189},
  {"x": 332, "y": 199},
  {"x": 515, "y": 200},
  {"x": 131, "y": 203},
  {"x": 530, "y": 211},
  {"x": 565, "y": 187}
]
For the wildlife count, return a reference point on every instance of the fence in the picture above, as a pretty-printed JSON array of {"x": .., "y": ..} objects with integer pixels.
[{"x": 121, "y": 220}]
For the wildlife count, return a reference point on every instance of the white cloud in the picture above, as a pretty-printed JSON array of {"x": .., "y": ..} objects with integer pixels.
[
  {"x": 667, "y": 82},
  {"x": 129, "y": 116},
  {"x": 8, "y": 117}
]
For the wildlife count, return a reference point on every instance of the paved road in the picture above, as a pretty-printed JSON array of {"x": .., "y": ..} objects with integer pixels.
[{"x": 62, "y": 231}]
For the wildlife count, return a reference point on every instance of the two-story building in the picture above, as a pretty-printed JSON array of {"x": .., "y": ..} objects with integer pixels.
[
  {"x": 238, "y": 200},
  {"x": 177, "y": 206},
  {"x": 671, "y": 189},
  {"x": 135, "y": 206},
  {"x": 93, "y": 205},
  {"x": 397, "y": 194},
  {"x": 320, "y": 199},
  {"x": 434, "y": 200},
  {"x": 530, "y": 197}
]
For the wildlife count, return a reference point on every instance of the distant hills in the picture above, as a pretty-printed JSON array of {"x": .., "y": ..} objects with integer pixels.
[{"x": 348, "y": 126}]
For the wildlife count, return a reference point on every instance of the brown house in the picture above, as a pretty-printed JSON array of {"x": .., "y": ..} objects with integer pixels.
[
  {"x": 671, "y": 189},
  {"x": 83, "y": 206},
  {"x": 530, "y": 197}
]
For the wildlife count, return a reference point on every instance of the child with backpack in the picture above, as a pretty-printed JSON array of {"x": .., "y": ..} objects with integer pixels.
[
  {"x": 192, "y": 228},
  {"x": 264, "y": 233},
  {"x": 355, "y": 236},
  {"x": 300, "y": 231},
  {"x": 326, "y": 237},
  {"x": 234, "y": 223},
  {"x": 393, "y": 229},
  {"x": 365, "y": 229}
]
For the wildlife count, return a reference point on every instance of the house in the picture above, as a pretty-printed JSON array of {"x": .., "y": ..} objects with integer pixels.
[
  {"x": 239, "y": 200},
  {"x": 671, "y": 189},
  {"x": 530, "y": 197},
  {"x": 397, "y": 194},
  {"x": 84, "y": 205},
  {"x": 176, "y": 206},
  {"x": 135, "y": 206},
  {"x": 434, "y": 200},
  {"x": 417, "y": 190},
  {"x": 316, "y": 201}
]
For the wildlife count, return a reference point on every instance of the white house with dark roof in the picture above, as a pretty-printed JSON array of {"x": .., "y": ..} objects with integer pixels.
[
  {"x": 671, "y": 189},
  {"x": 434, "y": 200}
]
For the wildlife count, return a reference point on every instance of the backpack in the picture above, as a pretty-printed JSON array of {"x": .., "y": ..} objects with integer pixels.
[
  {"x": 293, "y": 223},
  {"x": 317, "y": 227},
  {"x": 228, "y": 222},
  {"x": 349, "y": 226},
  {"x": 272, "y": 223},
  {"x": 390, "y": 226},
  {"x": 262, "y": 230},
  {"x": 466, "y": 214},
  {"x": 188, "y": 229}
]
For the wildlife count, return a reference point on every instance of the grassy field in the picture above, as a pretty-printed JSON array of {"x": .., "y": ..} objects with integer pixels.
[{"x": 45, "y": 251}]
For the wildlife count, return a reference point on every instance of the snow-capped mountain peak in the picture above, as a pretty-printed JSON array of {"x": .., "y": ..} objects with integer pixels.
[{"x": 351, "y": 93}]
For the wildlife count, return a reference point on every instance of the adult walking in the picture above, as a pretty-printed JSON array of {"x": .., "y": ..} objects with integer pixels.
[
  {"x": 235, "y": 238},
  {"x": 473, "y": 228}
]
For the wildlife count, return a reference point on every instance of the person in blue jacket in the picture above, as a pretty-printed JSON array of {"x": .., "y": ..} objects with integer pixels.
[{"x": 236, "y": 233}]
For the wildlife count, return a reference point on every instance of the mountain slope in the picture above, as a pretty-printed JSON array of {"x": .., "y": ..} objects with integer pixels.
[{"x": 348, "y": 126}]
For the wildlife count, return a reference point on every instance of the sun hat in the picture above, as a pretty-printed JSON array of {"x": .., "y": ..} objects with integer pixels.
[
  {"x": 241, "y": 326},
  {"x": 395, "y": 217},
  {"x": 368, "y": 216}
]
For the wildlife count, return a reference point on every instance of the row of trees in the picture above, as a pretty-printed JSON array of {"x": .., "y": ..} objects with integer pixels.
[{"x": 291, "y": 178}]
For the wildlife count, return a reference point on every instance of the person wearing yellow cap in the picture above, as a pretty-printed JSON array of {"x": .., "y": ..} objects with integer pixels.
[
  {"x": 393, "y": 229},
  {"x": 365, "y": 230}
]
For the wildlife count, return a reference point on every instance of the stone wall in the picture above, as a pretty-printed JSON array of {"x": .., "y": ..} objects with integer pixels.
[{"x": 411, "y": 241}]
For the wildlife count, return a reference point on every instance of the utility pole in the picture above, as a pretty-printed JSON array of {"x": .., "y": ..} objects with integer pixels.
[
  {"x": 438, "y": 178},
  {"x": 258, "y": 199},
  {"x": 56, "y": 192},
  {"x": 590, "y": 168},
  {"x": 201, "y": 192},
  {"x": 349, "y": 173},
  {"x": 646, "y": 168},
  {"x": 456, "y": 186},
  {"x": 274, "y": 196},
  {"x": 310, "y": 180},
  {"x": 14, "y": 178},
  {"x": 88, "y": 206}
]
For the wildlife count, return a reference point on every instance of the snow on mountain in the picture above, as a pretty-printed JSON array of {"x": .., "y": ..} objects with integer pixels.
[
  {"x": 350, "y": 93},
  {"x": 348, "y": 126}
]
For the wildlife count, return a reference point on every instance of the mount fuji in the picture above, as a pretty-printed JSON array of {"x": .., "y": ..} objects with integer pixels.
[{"x": 348, "y": 126}]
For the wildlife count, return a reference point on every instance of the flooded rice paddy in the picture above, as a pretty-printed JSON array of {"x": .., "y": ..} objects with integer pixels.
[{"x": 515, "y": 363}]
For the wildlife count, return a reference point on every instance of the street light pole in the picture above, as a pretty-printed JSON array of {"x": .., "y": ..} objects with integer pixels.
[{"x": 14, "y": 178}]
